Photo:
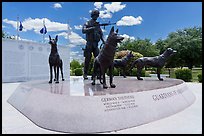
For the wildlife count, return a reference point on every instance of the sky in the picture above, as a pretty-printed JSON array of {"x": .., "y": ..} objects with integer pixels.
[{"x": 151, "y": 20}]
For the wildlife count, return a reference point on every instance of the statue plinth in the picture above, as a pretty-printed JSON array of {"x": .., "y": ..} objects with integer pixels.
[{"x": 76, "y": 106}]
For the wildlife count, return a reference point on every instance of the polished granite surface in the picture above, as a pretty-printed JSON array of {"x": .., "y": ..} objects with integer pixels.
[
  {"x": 77, "y": 106},
  {"x": 188, "y": 121},
  {"x": 76, "y": 86}
]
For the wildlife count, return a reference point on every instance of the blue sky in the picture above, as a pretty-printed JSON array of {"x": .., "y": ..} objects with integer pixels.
[{"x": 152, "y": 20}]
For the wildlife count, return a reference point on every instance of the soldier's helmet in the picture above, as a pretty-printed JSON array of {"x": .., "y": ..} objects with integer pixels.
[{"x": 94, "y": 12}]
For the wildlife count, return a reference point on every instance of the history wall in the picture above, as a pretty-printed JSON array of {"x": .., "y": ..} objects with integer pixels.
[{"x": 24, "y": 61}]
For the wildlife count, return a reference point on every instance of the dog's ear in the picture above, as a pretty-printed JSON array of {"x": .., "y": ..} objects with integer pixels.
[
  {"x": 50, "y": 37},
  {"x": 116, "y": 31},
  {"x": 130, "y": 52},
  {"x": 56, "y": 38},
  {"x": 112, "y": 30}
]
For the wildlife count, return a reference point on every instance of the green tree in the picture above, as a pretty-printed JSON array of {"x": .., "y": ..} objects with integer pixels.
[
  {"x": 74, "y": 64},
  {"x": 161, "y": 45},
  {"x": 188, "y": 43},
  {"x": 144, "y": 47}
]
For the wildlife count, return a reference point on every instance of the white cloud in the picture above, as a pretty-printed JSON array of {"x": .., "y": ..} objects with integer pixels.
[
  {"x": 13, "y": 23},
  {"x": 114, "y": 7},
  {"x": 98, "y": 5},
  {"x": 71, "y": 45},
  {"x": 103, "y": 30},
  {"x": 79, "y": 27},
  {"x": 72, "y": 53},
  {"x": 74, "y": 38},
  {"x": 107, "y": 10},
  {"x": 129, "y": 21},
  {"x": 57, "y": 5},
  {"x": 84, "y": 18},
  {"x": 77, "y": 55},
  {"x": 37, "y": 24},
  {"x": 105, "y": 14},
  {"x": 78, "y": 58},
  {"x": 126, "y": 37}
]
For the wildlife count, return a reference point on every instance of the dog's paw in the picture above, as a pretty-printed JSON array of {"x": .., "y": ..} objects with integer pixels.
[
  {"x": 140, "y": 78},
  {"x": 93, "y": 83},
  {"x": 57, "y": 82},
  {"x": 105, "y": 86},
  {"x": 50, "y": 82},
  {"x": 63, "y": 79},
  {"x": 113, "y": 85},
  {"x": 161, "y": 79},
  {"x": 54, "y": 79}
]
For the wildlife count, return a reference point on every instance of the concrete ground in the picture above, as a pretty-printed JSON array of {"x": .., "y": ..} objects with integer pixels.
[{"x": 188, "y": 121}]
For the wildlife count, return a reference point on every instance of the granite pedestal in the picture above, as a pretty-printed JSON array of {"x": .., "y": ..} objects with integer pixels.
[{"x": 76, "y": 106}]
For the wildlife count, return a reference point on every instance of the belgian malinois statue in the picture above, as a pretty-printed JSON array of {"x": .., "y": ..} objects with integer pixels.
[
  {"x": 105, "y": 58},
  {"x": 157, "y": 61}
]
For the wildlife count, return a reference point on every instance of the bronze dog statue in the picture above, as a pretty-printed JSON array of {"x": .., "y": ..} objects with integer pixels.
[
  {"x": 122, "y": 63},
  {"x": 54, "y": 60},
  {"x": 105, "y": 58},
  {"x": 157, "y": 61}
]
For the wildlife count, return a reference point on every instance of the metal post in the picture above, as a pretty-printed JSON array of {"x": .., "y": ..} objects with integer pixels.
[
  {"x": 17, "y": 28},
  {"x": 44, "y": 31}
]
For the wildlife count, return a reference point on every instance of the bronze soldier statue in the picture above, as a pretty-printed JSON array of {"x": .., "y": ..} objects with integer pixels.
[{"x": 93, "y": 35}]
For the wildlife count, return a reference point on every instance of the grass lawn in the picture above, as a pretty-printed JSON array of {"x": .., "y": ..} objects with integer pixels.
[{"x": 195, "y": 72}]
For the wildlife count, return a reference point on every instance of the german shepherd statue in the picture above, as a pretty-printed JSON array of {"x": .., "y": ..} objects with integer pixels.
[
  {"x": 157, "y": 61},
  {"x": 54, "y": 60},
  {"x": 105, "y": 58},
  {"x": 122, "y": 63}
]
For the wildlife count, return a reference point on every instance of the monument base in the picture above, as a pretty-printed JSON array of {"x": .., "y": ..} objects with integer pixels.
[{"x": 76, "y": 106}]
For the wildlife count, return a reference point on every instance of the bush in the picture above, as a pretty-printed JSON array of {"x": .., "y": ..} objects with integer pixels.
[
  {"x": 74, "y": 64},
  {"x": 115, "y": 72},
  {"x": 134, "y": 72},
  {"x": 184, "y": 74},
  {"x": 122, "y": 54},
  {"x": 153, "y": 70},
  {"x": 78, "y": 72},
  {"x": 72, "y": 73},
  {"x": 200, "y": 78}
]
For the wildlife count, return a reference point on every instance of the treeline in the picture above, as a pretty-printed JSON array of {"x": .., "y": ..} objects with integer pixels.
[{"x": 187, "y": 42}]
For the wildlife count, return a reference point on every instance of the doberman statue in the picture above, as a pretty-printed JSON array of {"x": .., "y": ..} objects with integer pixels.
[
  {"x": 54, "y": 60},
  {"x": 122, "y": 63},
  {"x": 105, "y": 58},
  {"x": 157, "y": 61}
]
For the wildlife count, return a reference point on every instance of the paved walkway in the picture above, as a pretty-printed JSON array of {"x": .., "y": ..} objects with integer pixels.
[{"x": 188, "y": 121}]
